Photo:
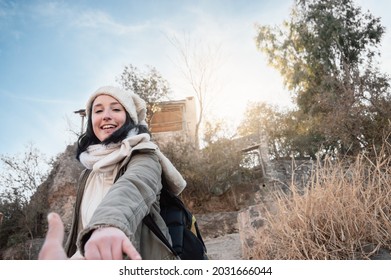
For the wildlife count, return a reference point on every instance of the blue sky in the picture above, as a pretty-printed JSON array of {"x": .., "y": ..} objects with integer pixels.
[{"x": 53, "y": 54}]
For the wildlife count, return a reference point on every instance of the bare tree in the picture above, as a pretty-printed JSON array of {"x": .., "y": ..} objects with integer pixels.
[
  {"x": 198, "y": 63},
  {"x": 20, "y": 177}
]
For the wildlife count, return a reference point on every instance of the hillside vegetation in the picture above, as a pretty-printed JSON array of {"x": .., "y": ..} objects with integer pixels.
[{"x": 343, "y": 213}]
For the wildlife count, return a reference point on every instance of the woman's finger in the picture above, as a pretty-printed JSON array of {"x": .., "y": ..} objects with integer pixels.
[
  {"x": 129, "y": 250},
  {"x": 52, "y": 248}
]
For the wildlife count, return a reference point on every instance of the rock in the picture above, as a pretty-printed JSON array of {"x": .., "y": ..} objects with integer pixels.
[
  {"x": 213, "y": 225},
  {"x": 221, "y": 235},
  {"x": 249, "y": 221},
  {"x": 226, "y": 247},
  {"x": 62, "y": 184}
]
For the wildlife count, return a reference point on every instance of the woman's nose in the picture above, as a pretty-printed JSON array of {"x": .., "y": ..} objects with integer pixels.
[{"x": 107, "y": 115}]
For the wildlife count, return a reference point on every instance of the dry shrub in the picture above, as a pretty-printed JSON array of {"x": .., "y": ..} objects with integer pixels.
[
  {"x": 209, "y": 172},
  {"x": 344, "y": 213}
]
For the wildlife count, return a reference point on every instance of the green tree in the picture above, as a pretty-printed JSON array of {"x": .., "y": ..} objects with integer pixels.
[
  {"x": 221, "y": 163},
  {"x": 149, "y": 85},
  {"x": 286, "y": 131},
  {"x": 326, "y": 55},
  {"x": 261, "y": 117}
]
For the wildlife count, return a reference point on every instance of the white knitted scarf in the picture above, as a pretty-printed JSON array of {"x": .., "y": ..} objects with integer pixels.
[
  {"x": 104, "y": 158},
  {"x": 101, "y": 158}
]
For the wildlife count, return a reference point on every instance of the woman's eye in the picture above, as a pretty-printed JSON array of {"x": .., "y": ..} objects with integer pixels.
[{"x": 98, "y": 111}]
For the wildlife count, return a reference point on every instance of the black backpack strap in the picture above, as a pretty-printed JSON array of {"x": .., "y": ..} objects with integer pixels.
[{"x": 151, "y": 224}]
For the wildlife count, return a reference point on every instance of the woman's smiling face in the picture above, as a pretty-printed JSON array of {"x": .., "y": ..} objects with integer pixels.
[{"x": 108, "y": 115}]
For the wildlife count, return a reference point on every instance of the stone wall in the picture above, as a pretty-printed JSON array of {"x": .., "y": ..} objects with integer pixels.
[{"x": 288, "y": 172}]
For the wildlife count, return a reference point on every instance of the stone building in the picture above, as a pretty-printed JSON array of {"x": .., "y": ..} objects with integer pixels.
[{"x": 175, "y": 119}]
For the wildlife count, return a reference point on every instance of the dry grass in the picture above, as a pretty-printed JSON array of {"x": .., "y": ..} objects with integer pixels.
[{"x": 344, "y": 213}]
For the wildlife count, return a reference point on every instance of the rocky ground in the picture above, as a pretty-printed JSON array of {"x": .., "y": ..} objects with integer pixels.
[
  {"x": 227, "y": 247},
  {"x": 226, "y": 235},
  {"x": 221, "y": 235}
]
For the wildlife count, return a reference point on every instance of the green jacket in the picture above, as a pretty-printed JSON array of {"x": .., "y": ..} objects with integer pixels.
[{"x": 135, "y": 194}]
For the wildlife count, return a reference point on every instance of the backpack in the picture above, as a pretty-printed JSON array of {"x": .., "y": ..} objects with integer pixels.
[{"x": 187, "y": 242}]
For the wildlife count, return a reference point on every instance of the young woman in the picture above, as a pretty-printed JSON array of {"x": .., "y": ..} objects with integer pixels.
[{"x": 109, "y": 209}]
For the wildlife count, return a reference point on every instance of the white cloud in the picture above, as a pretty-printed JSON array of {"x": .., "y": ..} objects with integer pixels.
[
  {"x": 64, "y": 14},
  {"x": 101, "y": 21},
  {"x": 34, "y": 99}
]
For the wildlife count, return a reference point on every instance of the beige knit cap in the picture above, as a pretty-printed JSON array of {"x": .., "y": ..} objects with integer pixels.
[{"x": 133, "y": 104}]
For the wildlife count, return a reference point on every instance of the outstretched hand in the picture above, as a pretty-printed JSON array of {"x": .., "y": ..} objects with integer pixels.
[
  {"x": 104, "y": 244},
  {"x": 109, "y": 243},
  {"x": 52, "y": 248}
]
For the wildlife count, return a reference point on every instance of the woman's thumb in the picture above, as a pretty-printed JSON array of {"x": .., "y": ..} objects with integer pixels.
[
  {"x": 52, "y": 247},
  {"x": 56, "y": 228}
]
